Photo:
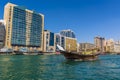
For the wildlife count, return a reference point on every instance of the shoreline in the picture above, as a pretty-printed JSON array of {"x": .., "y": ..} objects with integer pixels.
[{"x": 23, "y": 53}]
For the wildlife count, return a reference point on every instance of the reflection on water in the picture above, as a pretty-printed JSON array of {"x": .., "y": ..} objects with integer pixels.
[{"x": 56, "y": 67}]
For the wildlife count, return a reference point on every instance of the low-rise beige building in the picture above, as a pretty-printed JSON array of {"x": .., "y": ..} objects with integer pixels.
[
  {"x": 78, "y": 46},
  {"x": 99, "y": 43},
  {"x": 117, "y": 47},
  {"x": 86, "y": 46},
  {"x": 49, "y": 41},
  {"x": 60, "y": 40},
  {"x": 109, "y": 46},
  {"x": 71, "y": 44}
]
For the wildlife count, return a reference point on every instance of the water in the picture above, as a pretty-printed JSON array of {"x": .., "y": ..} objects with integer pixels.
[{"x": 56, "y": 67}]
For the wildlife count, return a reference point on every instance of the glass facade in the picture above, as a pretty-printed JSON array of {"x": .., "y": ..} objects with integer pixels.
[
  {"x": 19, "y": 27},
  {"x": 68, "y": 33},
  {"x": 2, "y": 34},
  {"x": 36, "y": 30},
  {"x": 26, "y": 25},
  {"x": 63, "y": 42},
  {"x": 58, "y": 39},
  {"x": 51, "y": 43}
]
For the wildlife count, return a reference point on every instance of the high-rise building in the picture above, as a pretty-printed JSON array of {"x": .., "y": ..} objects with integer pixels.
[
  {"x": 67, "y": 33},
  {"x": 2, "y": 34},
  {"x": 24, "y": 28},
  {"x": 99, "y": 43},
  {"x": 49, "y": 40}
]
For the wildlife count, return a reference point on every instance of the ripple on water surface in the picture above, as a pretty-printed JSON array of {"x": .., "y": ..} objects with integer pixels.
[{"x": 56, "y": 67}]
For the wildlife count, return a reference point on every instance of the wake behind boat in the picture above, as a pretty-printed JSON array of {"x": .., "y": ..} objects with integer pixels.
[{"x": 78, "y": 55}]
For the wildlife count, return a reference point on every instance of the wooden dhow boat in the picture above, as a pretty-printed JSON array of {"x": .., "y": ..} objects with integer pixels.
[{"x": 78, "y": 55}]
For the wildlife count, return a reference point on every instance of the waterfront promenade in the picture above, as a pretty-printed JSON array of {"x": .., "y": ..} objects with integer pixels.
[{"x": 56, "y": 67}]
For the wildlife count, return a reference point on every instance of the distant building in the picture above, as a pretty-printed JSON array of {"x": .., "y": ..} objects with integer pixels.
[
  {"x": 78, "y": 46},
  {"x": 99, "y": 43},
  {"x": 24, "y": 28},
  {"x": 49, "y": 40},
  {"x": 109, "y": 45},
  {"x": 86, "y": 46},
  {"x": 117, "y": 47},
  {"x": 2, "y": 34},
  {"x": 67, "y": 33}
]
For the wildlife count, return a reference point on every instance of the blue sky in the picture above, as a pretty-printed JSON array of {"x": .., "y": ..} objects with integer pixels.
[{"x": 87, "y": 18}]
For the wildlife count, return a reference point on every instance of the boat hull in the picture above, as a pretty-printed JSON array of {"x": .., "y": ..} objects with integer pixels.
[{"x": 81, "y": 57}]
